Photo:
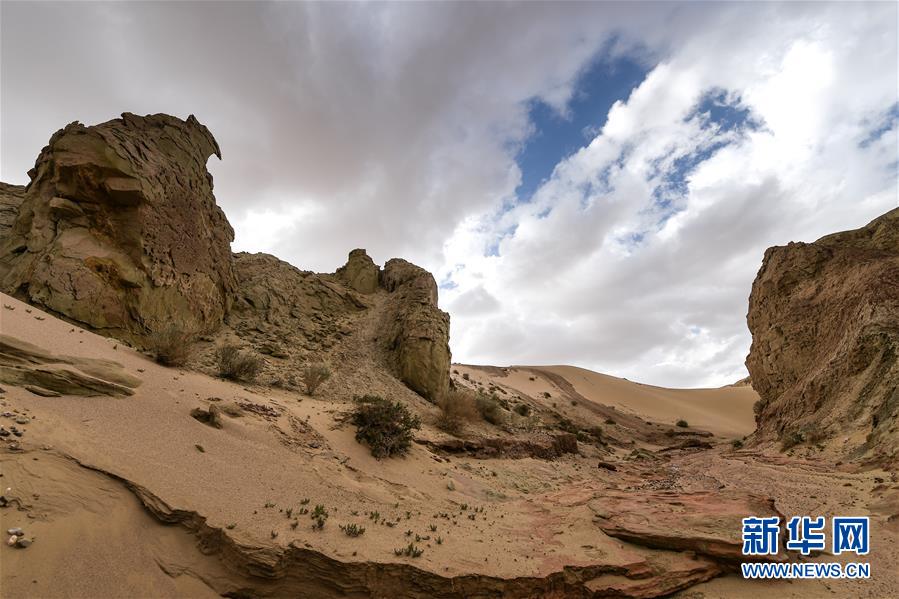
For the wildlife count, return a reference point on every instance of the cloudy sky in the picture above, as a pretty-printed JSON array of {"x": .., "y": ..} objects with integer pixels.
[{"x": 591, "y": 183}]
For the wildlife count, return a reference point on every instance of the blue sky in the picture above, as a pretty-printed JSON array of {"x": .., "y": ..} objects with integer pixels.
[{"x": 556, "y": 135}]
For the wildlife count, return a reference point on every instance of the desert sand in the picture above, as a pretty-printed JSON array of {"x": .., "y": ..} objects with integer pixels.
[{"x": 122, "y": 486}]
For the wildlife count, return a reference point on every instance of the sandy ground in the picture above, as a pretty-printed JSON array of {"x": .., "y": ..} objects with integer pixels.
[{"x": 530, "y": 517}]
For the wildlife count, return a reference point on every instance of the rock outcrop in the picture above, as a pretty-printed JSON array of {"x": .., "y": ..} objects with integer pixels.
[
  {"x": 824, "y": 319},
  {"x": 44, "y": 373},
  {"x": 708, "y": 523},
  {"x": 415, "y": 331},
  {"x": 119, "y": 229},
  {"x": 360, "y": 273},
  {"x": 11, "y": 197}
]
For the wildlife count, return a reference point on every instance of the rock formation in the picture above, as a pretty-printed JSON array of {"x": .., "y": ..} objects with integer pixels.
[
  {"x": 11, "y": 197},
  {"x": 360, "y": 273},
  {"x": 119, "y": 229},
  {"x": 46, "y": 374},
  {"x": 824, "y": 319},
  {"x": 415, "y": 331}
]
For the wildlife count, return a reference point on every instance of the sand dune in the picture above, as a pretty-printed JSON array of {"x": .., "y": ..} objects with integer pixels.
[{"x": 726, "y": 411}]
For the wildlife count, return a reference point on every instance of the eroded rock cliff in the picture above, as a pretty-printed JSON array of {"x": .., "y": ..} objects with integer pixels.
[
  {"x": 119, "y": 229},
  {"x": 824, "y": 319},
  {"x": 415, "y": 331}
]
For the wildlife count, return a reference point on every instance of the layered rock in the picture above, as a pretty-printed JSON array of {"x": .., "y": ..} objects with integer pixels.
[
  {"x": 119, "y": 228},
  {"x": 44, "y": 373},
  {"x": 708, "y": 523},
  {"x": 360, "y": 273},
  {"x": 415, "y": 331},
  {"x": 824, "y": 319},
  {"x": 11, "y": 197}
]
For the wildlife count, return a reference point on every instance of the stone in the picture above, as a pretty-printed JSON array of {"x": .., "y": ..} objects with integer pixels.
[
  {"x": 415, "y": 332},
  {"x": 708, "y": 523},
  {"x": 824, "y": 319},
  {"x": 360, "y": 273},
  {"x": 12, "y": 540},
  {"x": 49, "y": 375},
  {"x": 15, "y": 531},
  {"x": 23, "y": 543},
  {"x": 210, "y": 417},
  {"x": 122, "y": 229},
  {"x": 22, "y": 420}
]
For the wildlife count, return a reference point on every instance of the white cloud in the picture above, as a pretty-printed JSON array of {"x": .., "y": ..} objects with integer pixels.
[{"x": 395, "y": 127}]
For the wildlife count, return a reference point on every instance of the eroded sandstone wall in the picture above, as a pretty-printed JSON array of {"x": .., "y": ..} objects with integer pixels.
[
  {"x": 824, "y": 319},
  {"x": 119, "y": 228}
]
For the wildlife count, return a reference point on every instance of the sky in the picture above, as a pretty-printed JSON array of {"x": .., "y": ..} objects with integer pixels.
[{"x": 590, "y": 183}]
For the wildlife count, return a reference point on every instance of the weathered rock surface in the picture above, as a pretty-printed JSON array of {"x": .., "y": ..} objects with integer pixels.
[
  {"x": 360, "y": 273},
  {"x": 11, "y": 197},
  {"x": 44, "y": 373},
  {"x": 415, "y": 331},
  {"x": 824, "y": 319},
  {"x": 706, "y": 522},
  {"x": 119, "y": 229}
]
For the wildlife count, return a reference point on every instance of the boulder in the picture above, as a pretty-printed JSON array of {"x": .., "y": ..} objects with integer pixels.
[
  {"x": 415, "y": 332},
  {"x": 119, "y": 229},
  {"x": 360, "y": 273},
  {"x": 824, "y": 319}
]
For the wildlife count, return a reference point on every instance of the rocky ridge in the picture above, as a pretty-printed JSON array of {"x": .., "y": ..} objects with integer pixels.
[
  {"x": 824, "y": 319},
  {"x": 119, "y": 230}
]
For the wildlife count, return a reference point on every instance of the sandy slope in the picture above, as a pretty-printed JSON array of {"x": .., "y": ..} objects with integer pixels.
[{"x": 726, "y": 411}]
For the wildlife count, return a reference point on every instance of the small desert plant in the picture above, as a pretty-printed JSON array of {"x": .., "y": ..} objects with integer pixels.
[
  {"x": 466, "y": 377},
  {"x": 456, "y": 408},
  {"x": 172, "y": 346},
  {"x": 682, "y": 423},
  {"x": 352, "y": 530},
  {"x": 385, "y": 426},
  {"x": 522, "y": 409},
  {"x": 737, "y": 443},
  {"x": 238, "y": 365},
  {"x": 411, "y": 550},
  {"x": 490, "y": 409},
  {"x": 547, "y": 394},
  {"x": 314, "y": 375}
]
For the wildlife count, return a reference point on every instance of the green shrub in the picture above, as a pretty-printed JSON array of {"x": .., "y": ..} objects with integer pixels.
[
  {"x": 682, "y": 423},
  {"x": 238, "y": 365},
  {"x": 385, "y": 426},
  {"x": 522, "y": 409},
  {"x": 737, "y": 443},
  {"x": 490, "y": 409}
]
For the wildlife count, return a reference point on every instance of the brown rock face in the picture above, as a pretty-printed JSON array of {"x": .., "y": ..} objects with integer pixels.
[
  {"x": 11, "y": 197},
  {"x": 415, "y": 331},
  {"x": 119, "y": 229},
  {"x": 360, "y": 272},
  {"x": 824, "y": 319}
]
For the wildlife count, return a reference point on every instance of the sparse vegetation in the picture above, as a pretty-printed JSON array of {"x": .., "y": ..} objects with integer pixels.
[
  {"x": 352, "y": 530},
  {"x": 522, "y": 409},
  {"x": 682, "y": 423},
  {"x": 411, "y": 550},
  {"x": 385, "y": 426},
  {"x": 490, "y": 409},
  {"x": 314, "y": 375},
  {"x": 547, "y": 394},
  {"x": 172, "y": 346},
  {"x": 737, "y": 443},
  {"x": 237, "y": 364},
  {"x": 456, "y": 408}
]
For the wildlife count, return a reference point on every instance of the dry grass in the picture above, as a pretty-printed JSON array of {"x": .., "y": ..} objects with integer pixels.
[
  {"x": 238, "y": 365},
  {"x": 172, "y": 346},
  {"x": 456, "y": 408},
  {"x": 314, "y": 375}
]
